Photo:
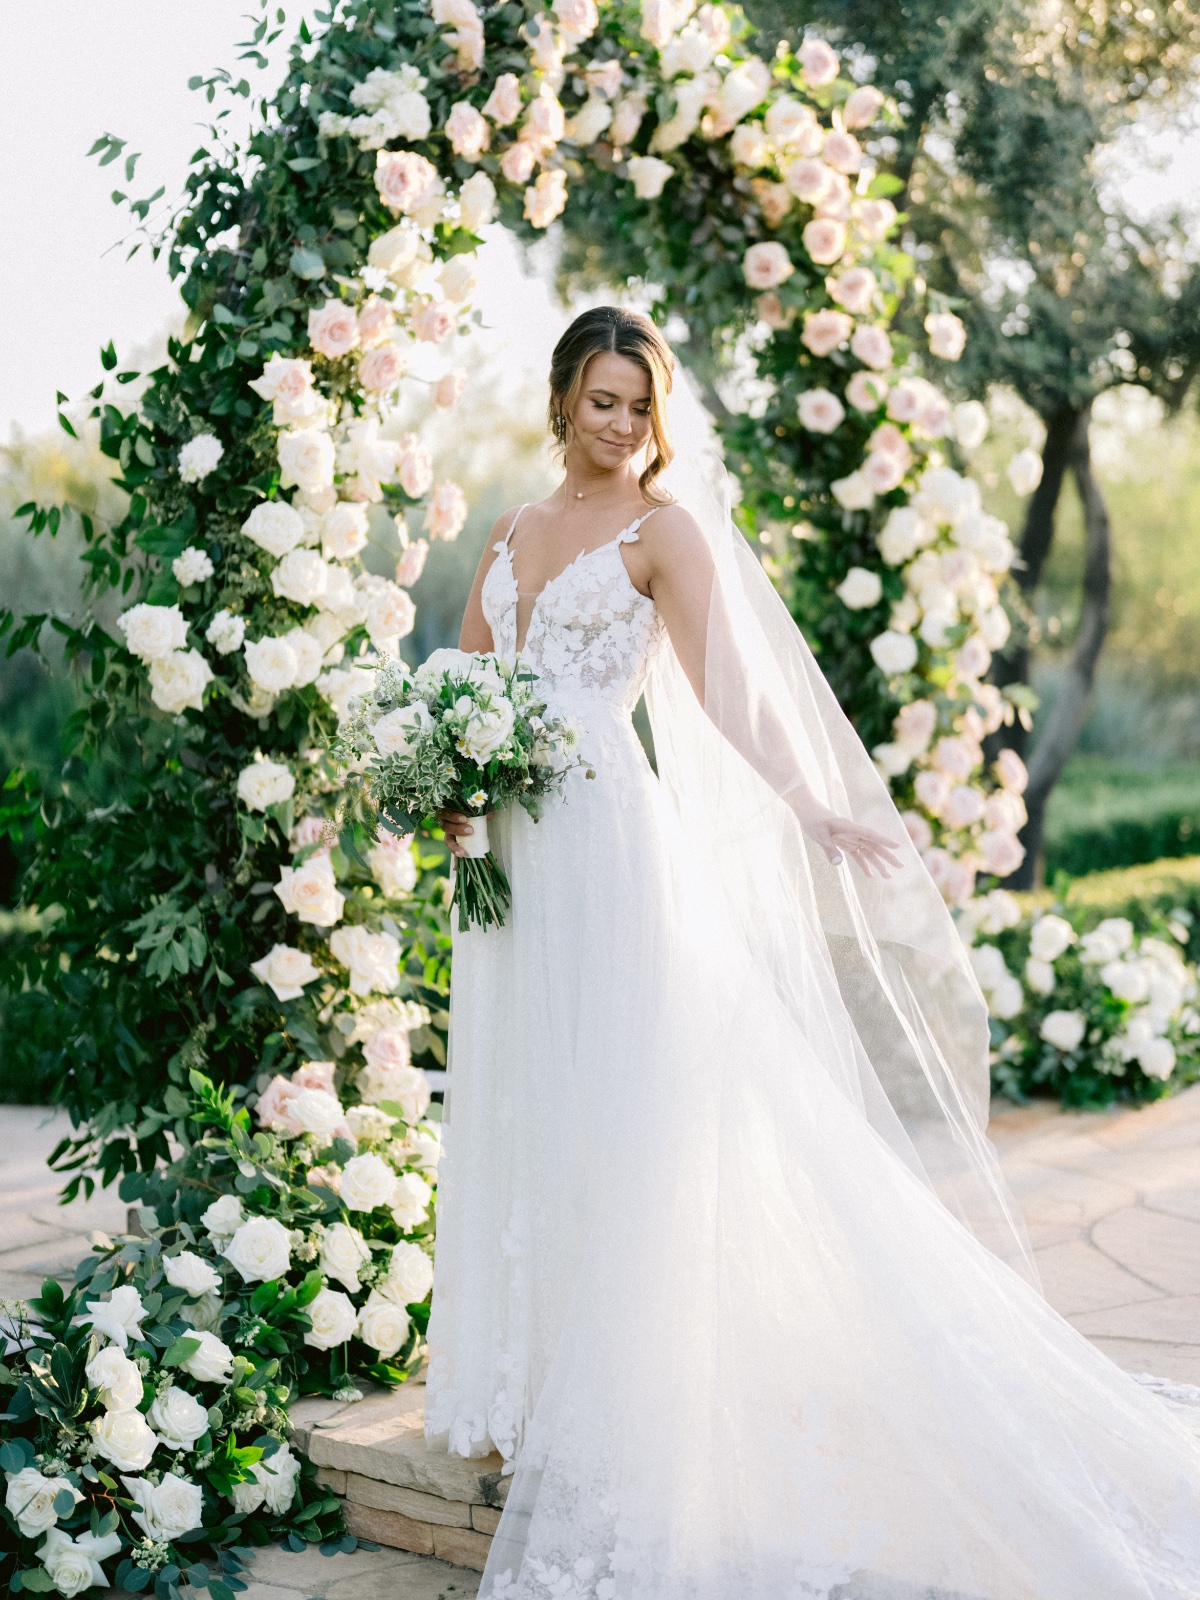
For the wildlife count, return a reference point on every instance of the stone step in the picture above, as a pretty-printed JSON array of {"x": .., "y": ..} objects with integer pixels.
[{"x": 398, "y": 1490}]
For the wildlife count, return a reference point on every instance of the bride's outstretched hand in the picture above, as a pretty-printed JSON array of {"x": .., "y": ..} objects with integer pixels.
[{"x": 840, "y": 837}]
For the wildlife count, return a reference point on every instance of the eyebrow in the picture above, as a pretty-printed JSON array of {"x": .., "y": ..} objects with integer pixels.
[{"x": 608, "y": 394}]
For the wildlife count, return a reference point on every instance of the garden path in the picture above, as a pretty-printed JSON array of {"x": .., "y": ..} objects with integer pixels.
[{"x": 1112, "y": 1200}]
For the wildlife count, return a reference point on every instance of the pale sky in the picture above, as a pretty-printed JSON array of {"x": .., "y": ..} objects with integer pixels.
[{"x": 79, "y": 68}]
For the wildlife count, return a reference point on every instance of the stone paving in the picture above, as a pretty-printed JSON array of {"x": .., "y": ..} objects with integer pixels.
[{"x": 1112, "y": 1200}]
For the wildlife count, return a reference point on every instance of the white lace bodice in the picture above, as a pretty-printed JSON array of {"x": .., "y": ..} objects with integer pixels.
[{"x": 590, "y": 630}]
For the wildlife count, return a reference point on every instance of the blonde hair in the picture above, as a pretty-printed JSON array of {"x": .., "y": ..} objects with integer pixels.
[{"x": 612, "y": 330}]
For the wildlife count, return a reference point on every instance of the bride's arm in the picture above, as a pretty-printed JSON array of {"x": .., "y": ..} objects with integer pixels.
[
  {"x": 475, "y": 633},
  {"x": 672, "y": 562}
]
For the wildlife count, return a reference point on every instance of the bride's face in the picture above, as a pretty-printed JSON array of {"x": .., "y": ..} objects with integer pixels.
[{"x": 611, "y": 419}]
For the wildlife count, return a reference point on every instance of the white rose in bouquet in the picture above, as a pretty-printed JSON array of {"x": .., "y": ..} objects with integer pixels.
[
  {"x": 411, "y": 1204},
  {"x": 317, "y": 1112},
  {"x": 286, "y": 970},
  {"x": 190, "y": 1272},
  {"x": 224, "y": 1217},
  {"x": 178, "y": 1418},
  {"x": 30, "y": 1497},
  {"x": 178, "y": 681},
  {"x": 118, "y": 1316},
  {"x": 260, "y": 1250},
  {"x": 213, "y": 1362},
  {"x": 396, "y": 731},
  {"x": 368, "y": 1183},
  {"x": 373, "y": 959},
  {"x": 410, "y": 1273},
  {"x": 383, "y": 1324},
  {"x": 247, "y": 1496},
  {"x": 168, "y": 1509},
  {"x": 487, "y": 732},
  {"x": 343, "y": 1254},
  {"x": 75, "y": 1564},
  {"x": 1064, "y": 1029},
  {"x": 310, "y": 892},
  {"x": 118, "y": 1379},
  {"x": 124, "y": 1438},
  {"x": 333, "y": 1317}
]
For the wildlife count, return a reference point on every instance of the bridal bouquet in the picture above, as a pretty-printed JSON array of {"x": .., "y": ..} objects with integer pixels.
[{"x": 465, "y": 733}]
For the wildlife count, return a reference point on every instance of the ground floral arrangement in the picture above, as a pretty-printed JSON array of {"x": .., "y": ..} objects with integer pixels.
[{"x": 146, "y": 1435}]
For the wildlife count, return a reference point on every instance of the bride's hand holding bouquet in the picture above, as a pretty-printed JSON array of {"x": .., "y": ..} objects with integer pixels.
[{"x": 459, "y": 738}]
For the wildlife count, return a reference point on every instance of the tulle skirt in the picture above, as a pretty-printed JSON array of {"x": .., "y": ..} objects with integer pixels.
[{"x": 732, "y": 1346}]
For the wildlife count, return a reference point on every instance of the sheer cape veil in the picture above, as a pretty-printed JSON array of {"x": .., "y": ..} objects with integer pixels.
[{"x": 872, "y": 970}]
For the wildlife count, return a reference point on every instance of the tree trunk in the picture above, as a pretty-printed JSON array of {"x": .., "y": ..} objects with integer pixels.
[{"x": 1061, "y": 730}]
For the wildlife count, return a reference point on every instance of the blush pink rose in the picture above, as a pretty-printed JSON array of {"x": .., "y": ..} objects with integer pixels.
[
  {"x": 381, "y": 369},
  {"x": 503, "y": 105},
  {"x": 467, "y": 131},
  {"x": 766, "y": 266},
  {"x": 883, "y": 472},
  {"x": 312, "y": 830},
  {"x": 546, "y": 199},
  {"x": 888, "y": 438},
  {"x": 518, "y": 161},
  {"x": 376, "y": 320},
  {"x": 818, "y": 62},
  {"x": 863, "y": 106},
  {"x": 433, "y": 321},
  {"x": 854, "y": 290},
  {"x": 875, "y": 219},
  {"x": 315, "y": 1075},
  {"x": 411, "y": 565},
  {"x": 825, "y": 240},
  {"x": 388, "y": 1047},
  {"x": 446, "y": 512},
  {"x": 404, "y": 180},
  {"x": 872, "y": 346},
  {"x": 809, "y": 180},
  {"x": 416, "y": 466},
  {"x": 842, "y": 151},
  {"x": 273, "y": 1109},
  {"x": 825, "y": 330},
  {"x": 866, "y": 391},
  {"x": 333, "y": 329},
  {"x": 449, "y": 390}
]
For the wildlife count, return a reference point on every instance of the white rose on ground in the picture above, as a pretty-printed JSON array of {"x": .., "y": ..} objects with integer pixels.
[
  {"x": 367, "y": 1183},
  {"x": 410, "y": 1273},
  {"x": 225, "y": 633},
  {"x": 124, "y": 1438},
  {"x": 820, "y": 411},
  {"x": 285, "y": 970},
  {"x": 275, "y": 527},
  {"x": 853, "y": 493},
  {"x": 343, "y": 1253},
  {"x": 153, "y": 632},
  {"x": 1157, "y": 1058},
  {"x": 332, "y": 1316},
  {"x": 1110, "y": 939},
  {"x": 310, "y": 892},
  {"x": 1064, "y": 1029},
  {"x": 1039, "y": 975},
  {"x": 648, "y": 175},
  {"x": 317, "y": 1112},
  {"x": 373, "y": 959},
  {"x": 190, "y": 1272},
  {"x": 383, "y": 1324},
  {"x": 30, "y": 1497},
  {"x": 1006, "y": 999},
  {"x": 1025, "y": 471},
  {"x": 75, "y": 1564},
  {"x": 178, "y": 1418},
  {"x": 395, "y": 731},
  {"x": 306, "y": 460},
  {"x": 205, "y": 1312},
  {"x": 265, "y": 783},
  {"x": 117, "y": 1378},
  {"x": 1050, "y": 937},
  {"x": 178, "y": 681},
  {"x": 118, "y": 1316},
  {"x": 411, "y": 1205},
  {"x": 247, "y": 1496},
  {"x": 766, "y": 266},
  {"x": 859, "y": 589},
  {"x": 212, "y": 1362},
  {"x": 193, "y": 566},
  {"x": 260, "y": 1250},
  {"x": 199, "y": 457},
  {"x": 224, "y": 1216},
  {"x": 168, "y": 1509}
]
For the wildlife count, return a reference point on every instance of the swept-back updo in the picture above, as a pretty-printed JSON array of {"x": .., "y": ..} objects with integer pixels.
[{"x": 612, "y": 330}]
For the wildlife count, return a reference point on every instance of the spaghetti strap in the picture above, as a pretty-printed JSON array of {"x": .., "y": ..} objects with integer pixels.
[
  {"x": 629, "y": 535},
  {"x": 503, "y": 545}
]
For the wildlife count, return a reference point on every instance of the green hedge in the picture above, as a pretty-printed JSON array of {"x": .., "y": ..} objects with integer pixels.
[{"x": 1102, "y": 816}]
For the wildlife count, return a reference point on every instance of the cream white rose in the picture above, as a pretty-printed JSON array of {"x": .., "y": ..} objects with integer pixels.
[
  {"x": 1050, "y": 937},
  {"x": 168, "y": 1509},
  {"x": 75, "y": 1564},
  {"x": 487, "y": 732},
  {"x": 285, "y": 970},
  {"x": 260, "y": 1250},
  {"x": 190, "y": 1272},
  {"x": 1157, "y": 1058},
  {"x": 1039, "y": 975},
  {"x": 265, "y": 783},
  {"x": 1006, "y": 999},
  {"x": 310, "y": 892},
  {"x": 225, "y": 633},
  {"x": 410, "y": 1273},
  {"x": 332, "y": 1316},
  {"x": 272, "y": 664},
  {"x": 213, "y": 1362},
  {"x": 205, "y": 1312},
  {"x": 394, "y": 867},
  {"x": 306, "y": 460},
  {"x": 367, "y": 1183},
  {"x": 404, "y": 1086},
  {"x": 124, "y": 1438},
  {"x": 152, "y": 632},
  {"x": 317, "y": 1112},
  {"x": 820, "y": 411},
  {"x": 178, "y": 1418},
  {"x": 224, "y": 1216},
  {"x": 178, "y": 681},
  {"x": 344, "y": 531},
  {"x": 30, "y": 1497},
  {"x": 275, "y": 527},
  {"x": 395, "y": 731},
  {"x": 859, "y": 589},
  {"x": 894, "y": 652},
  {"x": 1110, "y": 939},
  {"x": 118, "y": 1316},
  {"x": 301, "y": 576},
  {"x": 411, "y": 1204},
  {"x": 373, "y": 959},
  {"x": 343, "y": 1253},
  {"x": 1064, "y": 1029},
  {"x": 199, "y": 457},
  {"x": 766, "y": 266},
  {"x": 383, "y": 1324},
  {"x": 117, "y": 1378}
]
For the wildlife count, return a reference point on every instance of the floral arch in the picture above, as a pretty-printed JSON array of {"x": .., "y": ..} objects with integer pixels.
[{"x": 234, "y": 927}]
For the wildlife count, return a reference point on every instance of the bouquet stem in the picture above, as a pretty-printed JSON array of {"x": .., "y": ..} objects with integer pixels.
[{"x": 480, "y": 887}]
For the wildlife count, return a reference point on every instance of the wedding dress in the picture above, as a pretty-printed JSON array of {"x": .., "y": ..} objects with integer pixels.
[{"x": 706, "y": 1274}]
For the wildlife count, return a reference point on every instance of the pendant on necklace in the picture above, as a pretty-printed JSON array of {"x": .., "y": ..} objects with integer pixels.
[{"x": 579, "y": 494}]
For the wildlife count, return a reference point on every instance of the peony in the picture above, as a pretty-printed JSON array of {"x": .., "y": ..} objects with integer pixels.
[
  {"x": 30, "y": 1497},
  {"x": 859, "y": 589},
  {"x": 368, "y": 1183},
  {"x": 824, "y": 331},
  {"x": 74, "y": 1565},
  {"x": 872, "y": 346},
  {"x": 1025, "y": 471},
  {"x": 153, "y": 632},
  {"x": 306, "y": 459},
  {"x": 866, "y": 391},
  {"x": 193, "y": 566},
  {"x": 467, "y": 131},
  {"x": 547, "y": 198},
  {"x": 825, "y": 240},
  {"x": 404, "y": 180},
  {"x": 275, "y": 527},
  {"x": 766, "y": 266},
  {"x": 820, "y": 411},
  {"x": 289, "y": 384},
  {"x": 117, "y": 1378},
  {"x": 1064, "y": 1029},
  {"x": 225, "y": 633},
  {"x": 1156, "y": 1058},
  {"x": 894, "y": 652},
  {"x": 648, "y": 175},
  {"x": 395, "y": 731},
  {"x": 178, "y": 681},
  {"x": 272, "y": 664},
  {"x": 124, "y": 1438},
  {"x": 178, "y": 1418},
  {"x": 310, "y": 892},
  {"x": 224, "y": 1216},
  {"x": 265, "y": 783},
  {"x": 381, "y": 369},
  {"x": 199, "y": 457},
  {"x": 503, "y": 105},
  {"x": 862, "y": 107},
  {"x": 1010, "y": 770},
  {"x": 446, "y": 512},
  {"x": 343, "y": 1254},
  {"x": 373, "y": 959},
  {"x": 487, "y": 732},
  {"x": 118, "y": 1316},
  {"x": 947, "y": 336},
  {"x": 410, "y": 1273},
  {"x": 191, "y": 1272},
  {"x": 411, "y": 1203},
  {"x": 169, "y": 1509},
  {"x": 383, "y": 1324},
  {"x": 260, "y": 1250},
  {"x": 853, "y": 493},
  {"x": 818, "y": 63},
  {"x": 1051, "y": 936}
]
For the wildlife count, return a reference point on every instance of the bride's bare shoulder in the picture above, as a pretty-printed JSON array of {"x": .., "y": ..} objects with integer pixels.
[{"x": 671, "y": 533}]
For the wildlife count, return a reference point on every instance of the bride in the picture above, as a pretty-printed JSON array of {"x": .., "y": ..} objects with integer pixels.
[{"x": 726, "y": 1269}]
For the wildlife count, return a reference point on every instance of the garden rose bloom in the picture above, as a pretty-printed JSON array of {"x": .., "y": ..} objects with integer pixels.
[
  {"x": 178, "y": 681},
  {"x": 411, "y": 1205},
  {"x": 970, "y": 424},
  {"x": 477, "y": 202},
  {"x": 191, "y": 1272},
  {"x": 774, "y": 199},
  {"x": 306, "y": 460},
  {"x": 432, "y": 321},
  {"x": 117, "y": 1378},
  {"x": 388, "y": 1048},
  {"x": 288, "y": 382},
  {"x": 818, "y": 62},
  {"x": 367, "y": 1183},
  {"x": 225, "y": 633},
  {"x": 344, "y": 531},
  {"x": 410, "y": 1273},
  {"x": 872, "y": 346},
  {"x": 825, "y": 240},
  {"x": 404, "y": 180},
  {"x": 965, "y": 806},
  {"x": 766, "y": 266},
  {"x": 503, "y": 105},
  {"x": 1010, "y": 770},
  {"x": 394, "y": 731},
  {"x": 406, "y": 1087},
  {"x": 459, "y": 278},
  {"x": 193, "y": 566},
  {"x": 578, "y": 19},
  {"x": 383, "y": 1324},
  {"x": 825, "y": 330},
  {"x": 124, "y": 1438},
  {"x": 808, "y": 179},
  {"x": 863, "y": 106},
  {"x": 627, "y": 119},
  {"x": 300, "y": 576},
  {"x": 169, "y": 1508},
  {"x": 1002, "y": 851},
  {"x": 343, "y": 1255},
  {"x": 274, "y": 1108},
  {"x": 1039, "y": 976},
  {"x": 853, "y": 493},
  {"x": 947, "y": 336},
  {"x": 153, "y": 632},
  {"x": 446, "y": 512},
  {"x": 1157, "y": 1058},
  {"x": 518, "y": 161},
  {"x": 373, "y": 959},
  {"x": 75, "y": 1564},
  {"x": 310, "y": 892},
  {"x": 1050, "y": 938},
  {"x": 449, "y": 390},
  {"x": 883, "y": 471},
  {"x": 376, "y": 320},
  {"x": 120, "y": 1315},
  {"x": 390, "y": 613},
  {"x": 894, "y": 652},
  {"x": 842, "y": 152},
  {"x": 874, "y": 219},
  {"x": 275, "y": 527},
  {"x": 973, "y": 657},
  {"x": 1064, "y": 1029},
  {"x": 381, "y": 369},
  {"x": 333, "y": 329},
  {"x": 199, "y": 457},
  {"x": 791, "y": 125},
  {"x": 547, "y": 198},
  {"x": 866, "y": 391},
  {"x": 854, "y": 290},
  {"x": 272, "y": 664},
  {"x": 749, "y": 146},
  {"x": 589, "y": 122},
  {"x": 648, "y": 175},
  {"x": 860, "y": 589},
  {"x": 467, "y": 131},
  {"x": 1025, "y": 471},
  {"x": 260, "y": 1250},
  {"x": 318, "y": 1112},
  {"x": 265, "y": 783},
  {"x": 820, "y": 411},
  {"x": 392, "y": 863},
  {"x": 178, "y": 1418}
]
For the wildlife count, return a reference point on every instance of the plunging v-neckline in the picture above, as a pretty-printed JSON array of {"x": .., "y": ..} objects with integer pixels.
[{"x": 506, "y": 549}]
